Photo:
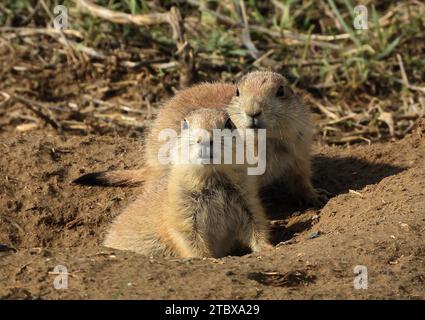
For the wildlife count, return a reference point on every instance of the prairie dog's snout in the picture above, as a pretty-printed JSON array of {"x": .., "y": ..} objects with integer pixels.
[
  {"x": 202, "y": 148},
  {"x": 251, "y": 108},
  {"x": 198, "y": 134},
  {"x": 253, "y": 117}
]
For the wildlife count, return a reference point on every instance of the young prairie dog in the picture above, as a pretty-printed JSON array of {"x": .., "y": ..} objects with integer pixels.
[
  {"x": 265, "y": 100},
  {"x": 195, "y": 210},
  {"x": 205, "y": 95}
]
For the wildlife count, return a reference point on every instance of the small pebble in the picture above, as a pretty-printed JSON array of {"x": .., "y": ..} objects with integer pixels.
[{"x": 315, "y": 234}]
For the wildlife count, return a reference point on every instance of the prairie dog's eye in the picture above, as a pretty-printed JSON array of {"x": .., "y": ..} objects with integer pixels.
[
  {"x": 280, "y": 92},
  {"x": 237, "y": 92},
  {"x": 185, "y": 124},
  {"x": 229, "y": 124}
]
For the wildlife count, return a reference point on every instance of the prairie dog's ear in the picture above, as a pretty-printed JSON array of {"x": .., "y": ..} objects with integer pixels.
[{"x": 290, "y": 76}]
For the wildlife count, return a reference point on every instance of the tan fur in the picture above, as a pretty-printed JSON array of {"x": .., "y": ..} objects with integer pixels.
[
  {"x": 289, "y": 130},
  {"x": 194, "y": 210}
]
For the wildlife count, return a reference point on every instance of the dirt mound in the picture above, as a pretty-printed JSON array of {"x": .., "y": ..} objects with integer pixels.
[{"x": 375, "y": 219}]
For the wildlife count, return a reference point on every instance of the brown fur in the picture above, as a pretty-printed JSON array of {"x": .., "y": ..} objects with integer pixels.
[{"x": 194, "y": 210}]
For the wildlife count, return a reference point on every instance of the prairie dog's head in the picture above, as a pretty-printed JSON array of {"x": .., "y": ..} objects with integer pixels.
[
  {"x": 264, "y": 99},
  {"x": 195, "y": 144}
]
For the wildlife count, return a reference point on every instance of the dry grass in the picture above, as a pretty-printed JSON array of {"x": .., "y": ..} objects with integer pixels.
[{"x": 99, "y": 76}]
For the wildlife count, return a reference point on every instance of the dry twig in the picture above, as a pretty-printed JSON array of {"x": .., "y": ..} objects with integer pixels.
[{"x": 40, "y": 110}]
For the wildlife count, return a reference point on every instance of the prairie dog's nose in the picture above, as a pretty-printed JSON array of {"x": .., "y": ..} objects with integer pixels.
[
  {"x": 252, "y": 119},
  {"x": 254, "y": 114},
  {"x": 252, "y": 107}
]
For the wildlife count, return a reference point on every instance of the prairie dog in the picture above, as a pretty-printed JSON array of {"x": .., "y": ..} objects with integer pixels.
[
  {"x": 205, "y": 95},
  {"x": 194, "y": 210},
  {"x": 265, "y": 100}
]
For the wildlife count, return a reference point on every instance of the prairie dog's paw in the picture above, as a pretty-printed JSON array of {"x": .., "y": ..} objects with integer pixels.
[
  {"x": 263, "y": 246},
  {"x": 317, "y": 197}
]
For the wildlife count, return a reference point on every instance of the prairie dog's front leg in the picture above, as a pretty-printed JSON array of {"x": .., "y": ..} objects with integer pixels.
[
  {"x": 259, "y": 241},
  {"x": 299, "y": 182},
  {"x": 259, "y": 227},
  {"x": 179, "y": 241}
]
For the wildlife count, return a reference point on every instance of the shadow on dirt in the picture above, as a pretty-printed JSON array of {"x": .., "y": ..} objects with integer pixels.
[
  {"x": 337, "y": 175},
  {"x": 280, "y": 232}
]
